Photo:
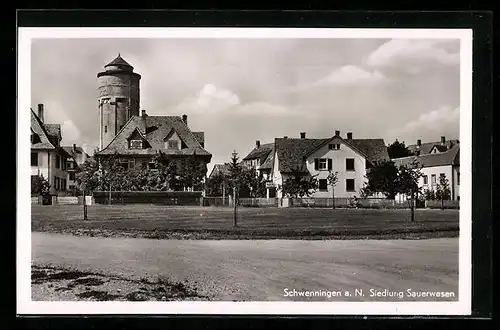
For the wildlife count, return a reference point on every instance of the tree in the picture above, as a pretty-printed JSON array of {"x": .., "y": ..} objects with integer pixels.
[
  {"x": 215, "y": 185},
  {"x": 407, "y": 183},
  {"x": 39, "y": 185},
  {"x": 252, "y": 183},
  {"x": 429, "y": 195},
  {"x": 299, "y": 184},
  {"x": 443, "y": 191},
  {"x": 164, "y": 176},
  {"x": 382, "y": 178},
  {"x": 332, "y": 180},
  {"x": 398, "y": 150},
  {"x": 192, "y": 174},
  {"x": 88, "y": 180},
  {"x": 235, "y": 179}
]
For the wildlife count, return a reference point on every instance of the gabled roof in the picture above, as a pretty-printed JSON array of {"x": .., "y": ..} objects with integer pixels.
[
  {"x": 292, "y": 152},
  {"x": 155, "y": 129},
  {"x": 39, "y": 129},
  {"x": 220, "y": 169},
  {"x": 450, "y": 157},
  {"x": 53, "y": 130},
  {"x": 200, "y": 136},
  {"x": 375, "y": 150},
  {"x": 426, "y": 148},
  {"x": 118, "y": 61},
  {"x": 261, "y": 152},
  {"x": 267, "y": 164},
  {"x": 69, "y": 149}
]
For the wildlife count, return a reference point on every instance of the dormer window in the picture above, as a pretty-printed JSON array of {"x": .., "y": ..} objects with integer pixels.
[
  {"x": 172, "y": 144},
  {"x": 136, "y": 144}
]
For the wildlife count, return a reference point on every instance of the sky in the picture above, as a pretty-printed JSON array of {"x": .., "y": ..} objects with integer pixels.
[{"x": 241, "y": 90}]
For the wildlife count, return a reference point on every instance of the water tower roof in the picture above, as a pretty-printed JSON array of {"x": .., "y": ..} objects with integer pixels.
[{"x": 118, "y": 61}]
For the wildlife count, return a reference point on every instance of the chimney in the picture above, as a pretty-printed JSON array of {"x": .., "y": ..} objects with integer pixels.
[
  {"x": 349, "y": 136},
  {"x": 40, "y": 112},
  {"x": 337, "y": 133},
  {"x": 303, "y": 135},
  {"x": 74, "y": 147},
  {"x": 185, "y": 119},
  {"x": 419, "y": 143},
  {"x": 257, "y": 144},
  {"x": 143, "y": 113},
  {"x": 443, "y": 140}
]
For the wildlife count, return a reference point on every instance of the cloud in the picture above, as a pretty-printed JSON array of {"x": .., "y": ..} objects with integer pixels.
[
  {"x": 411, "y": 53},
  {"x": 214, "y": 100},
  {"x": 348, "y": 75},
  {"x": 70, "y": 133},
  {"x": 442, "y": 121}
]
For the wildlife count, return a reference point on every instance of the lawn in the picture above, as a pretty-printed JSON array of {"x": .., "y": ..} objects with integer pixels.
[{"x": 253, "y": 223}]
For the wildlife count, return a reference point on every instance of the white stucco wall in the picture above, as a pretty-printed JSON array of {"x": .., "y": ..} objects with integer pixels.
[
  {"x": 47, "y": 168},
  {"x": 456, "y": 185},
  {"x": 339, "y": 164},
  {"x": 435, "y": 170}
]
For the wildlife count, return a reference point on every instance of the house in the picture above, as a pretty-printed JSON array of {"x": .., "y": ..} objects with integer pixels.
[
  {"x": 350, "y": 157},
  {"x": 143, "y": 137},
  {"x": 261, "y": 158},
  {"x": 432, "y": 147},
  {"x": 220, "y": 169},
  {"x": 435, "y": 164},
  {"x": 78, "y": 156},
  {"x": 48, "y": 158}
]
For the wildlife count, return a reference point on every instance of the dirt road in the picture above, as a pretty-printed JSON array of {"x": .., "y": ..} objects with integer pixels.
[{"x": 261, "y": 270}]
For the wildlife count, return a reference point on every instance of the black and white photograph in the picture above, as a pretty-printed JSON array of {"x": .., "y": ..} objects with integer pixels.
[{"x": 245, "y": 170}]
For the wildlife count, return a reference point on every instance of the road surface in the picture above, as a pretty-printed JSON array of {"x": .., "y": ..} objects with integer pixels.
[{"x": 261, "y": 270}]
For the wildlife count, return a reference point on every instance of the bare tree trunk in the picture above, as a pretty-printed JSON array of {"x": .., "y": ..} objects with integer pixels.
[
  {"x": 109, "y": 198},
  {"x": 333, "y": 197},
  {"x": 235, "y": 220},
  {"x": 412, "y": 207},
  {"x": 84, "y": 205}
]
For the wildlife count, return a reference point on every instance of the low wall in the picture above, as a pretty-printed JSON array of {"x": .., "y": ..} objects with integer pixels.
[
  {"x": 446, "y": 204},
  {"x": 181, "y": 198}
]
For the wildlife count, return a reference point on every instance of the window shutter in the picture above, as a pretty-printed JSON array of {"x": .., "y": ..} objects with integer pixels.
[
  {"x": 316, "y": 164},
  {"x": 330, "y": 164}
]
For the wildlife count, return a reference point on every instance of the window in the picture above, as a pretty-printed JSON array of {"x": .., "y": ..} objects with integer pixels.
[
  {"x": 349, "y": 184},
  {"x": 433, "y": 179},
  {"x": 58, "y": 161},
  {"x": 334, "y": 146},
  {"x": 349, "y": 164},
  {"x": 458, "y": 178},
  {"x": 56, "y": 183},
  {"x": 63, "y": 184},
  {"x": 135, "y": 144},
  {"x": 152, "y": 166},
  {"x": 442, "y": 175},
  {"x": 72, "y": 176},
  {"x": 69, "y": 165},
  {"x": 105, "y": 129},
  {"x": 426, "y": 179},
  {"x": 322, "y": 164},
  {"x": 34, "y": 159},
  {"x": 323, "y": 185},
  {"x": 173, "y": 144},
  {"x": 63, "y": 164}
]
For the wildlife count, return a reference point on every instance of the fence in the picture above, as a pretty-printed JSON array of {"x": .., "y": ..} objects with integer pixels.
[
  {"x": 61, "y": 200},
  {"x": 319, "y": 202},
  {"x": 446, "y": 204},
  {"x": 216, "y": 201},
  {"x": 258, "y": 202},
  {"x": 181, "y": 198}
]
